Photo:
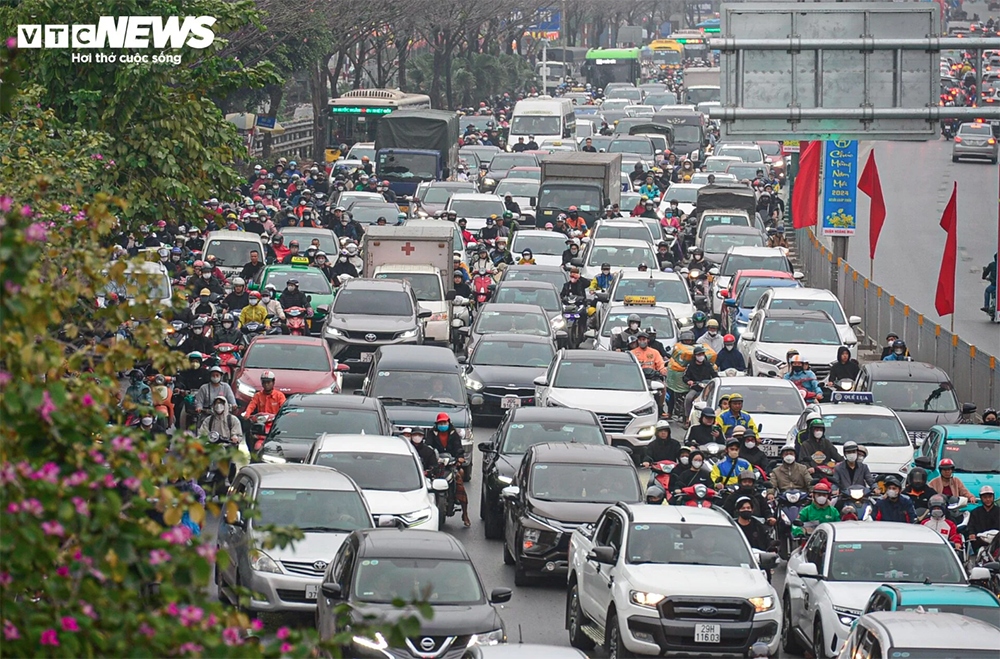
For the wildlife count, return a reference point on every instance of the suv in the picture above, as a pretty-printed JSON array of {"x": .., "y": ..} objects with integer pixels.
[
  {"x": 368, "y": 313},
  {"x": 557, "y": 488},
  {"x": 656, "y": 579}
]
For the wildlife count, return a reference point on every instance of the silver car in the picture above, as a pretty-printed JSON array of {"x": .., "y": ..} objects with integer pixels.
[
  {"x": 974, "y": 141},
  {"x": 323, "y": 503}
]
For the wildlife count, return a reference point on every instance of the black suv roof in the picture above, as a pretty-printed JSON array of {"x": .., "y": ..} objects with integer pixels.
[
  {"x": 579, "y": 454},
  {"x": 564, "y": 414},
  {"x": 330, "y": 402},
  {"x": 394, "y": 543},
  {"x": 898, "y": 371},
  {"x": 432, "y": 359}
]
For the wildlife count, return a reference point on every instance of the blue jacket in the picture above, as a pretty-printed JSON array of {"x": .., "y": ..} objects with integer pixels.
[
  {"x": 726, "y": 358},
  {"x": 604, "y": 280},
  {"x": 900, "y": 510},
  {"x": 893, "y": 357},
  {"x": 805, "y": 379}
]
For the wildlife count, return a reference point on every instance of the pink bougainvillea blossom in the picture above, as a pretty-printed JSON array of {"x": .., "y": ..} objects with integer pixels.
[
  {"x": 36, "y": 233},
  {"x": 50, "y": 637},
  {"x": 191, "y": 615},
  {"x": 283, "y": 633},
  {"x": 232, "y": 636},
  {"x": 207, "y": 552},
  {"x": 48, "y": 472},
  {"x": 62, "y": 571},
  {"x": 159, "y": 556},
  {"x": 10, "y": 632},
  {"x": 47, "y": 407},
  {"x": 121, "y": 443},
  {"x": 286, "y": 648},
  {"x": 82, "y": 507},
  {"x": 69, "y": 624},
  {"x": 87, "y": 400},
  {"x": 6, "y": 202},
  {"x": 189, "y": 648},
  {"x": 146, "y": 630},
  {"x": 177, "y": 535},
  {"x": 53, "y": 528},
  {"x": 33, "y": 507}
]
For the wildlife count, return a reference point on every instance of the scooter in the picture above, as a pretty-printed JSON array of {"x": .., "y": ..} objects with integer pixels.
[
  {"x": 461, "y": 316},
  {"x": 661, "y": 474},
  {"x": 446, "y": 499},
  {"x": 696, "y": 496},
  {"x": 177, "y": 335},
  {"x": 260, "y": 426},
  {"x": 859, "y": 499},
  {"x": 229, "y": 359},
  {"x": 252, "y": 330},
  {"x": 574, "y": 308},
  {"x": 482, "y": 288},
  {"x": 214, "y": 482},
  {"x": 790, "y": 504},
  {"x": 295, "y": 321}
]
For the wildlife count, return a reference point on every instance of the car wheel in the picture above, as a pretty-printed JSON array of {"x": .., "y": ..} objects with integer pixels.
[
  {"x": 789, "y": 641},
  {"x": 520, "y": 574},
  {"x": 819, "y": 643},
  {"x": 575, "y": 621},
  {"x": 482, "y": 503},
  {"x": 508, "y": 558},
  {"x": 616, "y": 649},
  {"x": 492, "y": 523}
]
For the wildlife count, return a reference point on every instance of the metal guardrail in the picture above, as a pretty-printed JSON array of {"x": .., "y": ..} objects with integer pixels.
[
  {"x": 296, "y": 141},
  {"x": 973, "y": 371}
]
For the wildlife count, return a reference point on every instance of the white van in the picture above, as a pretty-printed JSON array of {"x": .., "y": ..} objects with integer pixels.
[
  {"x": 147, "y": 278},
  {"x": 231, "y": 249},
  {"x": 543, "y": 117}
]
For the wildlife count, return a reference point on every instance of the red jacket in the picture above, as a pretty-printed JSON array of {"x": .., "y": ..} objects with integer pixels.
[{"x": 945, "y": 527}]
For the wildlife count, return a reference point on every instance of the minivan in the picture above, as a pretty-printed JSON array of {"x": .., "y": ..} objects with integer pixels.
[
  {"x": 231, "y": 250},
  {"x": 542, "y": 117}
]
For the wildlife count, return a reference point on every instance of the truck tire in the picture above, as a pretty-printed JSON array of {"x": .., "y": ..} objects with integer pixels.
[
  {"x": 616, "y": 649},
  {"x": 575, "y": 621}
]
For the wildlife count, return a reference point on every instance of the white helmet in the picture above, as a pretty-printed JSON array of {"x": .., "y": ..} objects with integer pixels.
[{"x": 238, "y": 281}]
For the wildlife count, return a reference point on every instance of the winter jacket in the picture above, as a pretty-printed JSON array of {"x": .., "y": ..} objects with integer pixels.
[
  {"x": 727, "y": 471},
  {"x": 958, "y": 488},
  {"x": 713, "y": 342},
  {"x": 860, "y": 476},
  {"x": 844, "y": 370},
  {"x": 898, "y": 510},
  {"x": 981, "y": 519},
  {"x": 804, "y": 379},
  {"x": 225, "y": 424},
  {"x": 791, "y": 477},
  {"x": 208, "y": 393},
  {"x": 726, "y": 359},
  {"x": 945, "y": 527},
  {"x": 807, "y": 446}
]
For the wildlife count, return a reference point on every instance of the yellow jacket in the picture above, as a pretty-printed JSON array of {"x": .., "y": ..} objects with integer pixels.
[{"x": 253, "y": 314}]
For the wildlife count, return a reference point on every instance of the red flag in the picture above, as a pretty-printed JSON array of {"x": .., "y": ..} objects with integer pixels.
[
  {"x": 944, "y": 298},
  {"x": 870, "y": 184},
  {"x": 806, "y": 191}
]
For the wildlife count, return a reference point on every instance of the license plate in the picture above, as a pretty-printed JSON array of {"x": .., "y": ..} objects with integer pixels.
[
  {"x": 510, "y": 402},
  {"x": 312, "y": 591},
  {"x": 707, "y": 633},
  {"x": 367, "y": 356},
  {"x": 770, "y": 447}
]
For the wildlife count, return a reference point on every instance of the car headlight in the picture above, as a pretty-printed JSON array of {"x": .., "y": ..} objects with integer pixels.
[
  {"x": 644, "y": 411},
  {"x": 558, "y": 323},
  {"x": 463, "y": 432},
  {"x": 332, "y": 389},
  {"x": 333, "y": 333},
  {"x": 376, "y": 643},
  {"x": 649, "y": 600},
  {"x": 762, "y": 604},
  {"x": 529, "y": 538},
  {"x": 473, "y": 383},
  {"x": 495, "y": 637},
  {"x": 272, "y": 458},
  {"x": 767, "y": 359},
  {"x": 418, "y": 516},
  {"x": 846, "y": 616},
  {"x": 489, "y": 181},
  {"x": 439, "y": 316},
  {"x": 506, "y": 480},
  {"x": 422, "y": 214},
  {"x": 408, "y": 334},
  {"x": 245, "y": 389},
  {"x": 261, "y": 562}
]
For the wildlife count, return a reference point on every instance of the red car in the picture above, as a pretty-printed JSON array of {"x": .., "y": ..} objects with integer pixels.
[{"x": 301, "y": 365}]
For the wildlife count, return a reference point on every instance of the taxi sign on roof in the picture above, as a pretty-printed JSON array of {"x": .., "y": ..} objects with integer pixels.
[
  {"x": 300, "y": 260},
  {"x": 863, "y": 397},
  {"x": 640, "y": 300}
]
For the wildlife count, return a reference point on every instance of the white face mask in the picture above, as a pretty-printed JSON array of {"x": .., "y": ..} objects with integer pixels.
[
  {"x": 265, "y": 299},
  {"x": 750, "y": 445},
  {"x": 206, "y": 275},
  {"x": 416, "y": 440},
  {"x": 227, "y": 326},
  {"x": 700, "y": 358},
  {"x": 817, "y": 433},
  {"x": 255, "y": 302},
  {"x": 851, "y": 457},
  {"x": 216, "y": 379},
  {"x": 712, "y": 332},
  {"x": 821, "y": 500},
  {"x": 219, "y": 408},
  {"x": 892, "y": 493},
  {"x": 147, "y": 420},
  {"x": 697, "y": 464},
  {"x": 937, "y": 513},
  {"x": 861, "y": 458},
  {"x": 685, "y": 460},
  {"x": 789, "y": 459},
  {"x": 343, "y": 259}
]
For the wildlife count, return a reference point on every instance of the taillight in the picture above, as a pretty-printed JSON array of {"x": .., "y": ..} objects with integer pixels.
[
  {"x": 991, "y": 141},
  {"x": 958, "y": 139}
]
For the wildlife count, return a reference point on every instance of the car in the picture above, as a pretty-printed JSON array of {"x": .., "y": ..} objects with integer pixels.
[
  {"x": 431, "y": 197},
  {"x": 502, "y": 370},
  {"x": 301, "y": 365},
  {"x": 613, "y": 104},
  {"x": 774, "y": 405},
  {"x": 558, "y": 487},
  {"x": 775, "y": 157},
  {"x": 389, "y": 473},
  {"x": 415, "y": 384},
  {"x": 745, "y": 151},
  {"x": 814, "y": 299},
  {"x": 522, "y": 650},
  {"x": 608, "y": 383},
  {"x": 312, "y": 282},
  {"x": 476, "y": 207},
  {"x": 717, "y": 164},
  {"x": 369, "y": 313},
  {"x": 553, "y": 274},
  {"x": 634, "y": 144},
  {"x": 702, "y": 178},
  {"x": 525, "y": 172},
  {"x": 500, "y": 166},
  {"x": 744, "y": 171},
  {"x": 739, "y": 300},
  {"x": 718, "y": 240},
  {"x": 305, "y": 417},
  {"x": 546, "y": 246},
  {"x": 876, "y": 428},
  {"x": 973, "y": 448},
  {"x": 963, "y": 599},
  {"x": 520, "y": 429},
  {"x": 922, "y": 395},
  {"x": 524, "y": 192},
  {"x": 540, "y": 293},
  {"x": 652, "y": 580},
  {"x": 614, "y": 317},
  {"x": 362, "y": 149},
  {"x": 323, "y": 503},
  {"x": 431, "y": 290},
  {"x": 348, "y": 198},
  {"x": 891, "y": 635},
  {"x": 686, "y": 195},
  {"x": 368, "y": 212},
  {"x": 668, "y": 288},
  {"x": 629, "y": 229},
  {"x": 831, "y": 578},
  {"x": 660, "y": 99},
  {"x": 328, "y": 241},
  {"x": 231, "y": 249},
  {"x": 147, "y": 278},
  {"x": 974, "y": 140},
  {"x": 639, "y": 110},
  {"x": 484, "y": 152},
  {"x": 625, "y": 255},
  {"x": 772, "y": 333},
  {"x": 503, "y": 318},
  {"x": 746, "y": 258},
  {"x": 376, "y": 567}
]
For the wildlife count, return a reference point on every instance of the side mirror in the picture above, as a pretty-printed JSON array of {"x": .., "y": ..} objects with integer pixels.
[
  {"x": 729, "y": 302},
  {"x": 465, "y": 330},
  {"x": 541, "y": 381},
  {"x": 331, "y": 590},
  {"x": 510, "y": 492},
  {"x": 798, "y": 275},
  {"x": 700, "y": 299},
  {"x": 590, "y": 334},
  {"x": 767, "y": 560},
  {"x": 424, "y": 314},
  {"x": 561, "y": 335},
  {"x": 714, "y": 272},
  {"x": 968, "y": 408},
  {"x": 500, "y": 595},
  {"x": 323, "y": 309},
  {"x": 532, "y": 201},
  {"x": 602, "y": 297},
  {"x": 924, "y": 461},
  {"x": 461, "y": 359},
  {"x": 980, "y": 573},
  {"x": 807, "y": 570},
  {"x": 439, "y": 485},
  {"x": 748, "y": 336},
  {"x": 485, "y": 447},
  {"x": 605, "y": 555},
  {"x": 854, "y": 321},
  {"x": 476, "y": 400},
  {"x": 450, "y": 295},
  {"x": 656, "y": 386},
  {"x": 342, "y": 367},
  {"x": 699, "y": 405},
  {"x": 578, "y": 262},
  {"x": 359, "y": 392}
]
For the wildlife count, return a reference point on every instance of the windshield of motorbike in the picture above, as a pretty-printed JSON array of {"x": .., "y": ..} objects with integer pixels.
[
  {"x": 512, "y": 353},
  {"x": 974, "y": 456},
  {"x": 375, "y": 471},
  {"x": 719, "y": 243},
  {"x": 635, "y": 232},
  {"x": 912, "y": 396},
  {"x": 599, "y": 375},
  {"x": 536, "y": 124},
  {"x": 331, "y": 511},
  {"x": 372, "y": 302},
  {"x": 832, "y": 307},
  {"x": 407, "y": 166},
  {"x": 427, "y": 286},
  {"x": 621, "y": 257},
  {"x": 552, "y": 243},
  {"x": 897, "y": 562},
  {"x": 767, "y": 400},
  {"x": 311, "y": 281},
  {"x": 800, "y": 330},
  {"x": 444, "y": 387},
  {"x": 308, "y": 423},
  {"x": 688, "y": 544},
  {"x": 230, "y": 253},
  {"x": 517, "y": 188},
  {"x": 546, "y": 298},
  {"x": 507, "y": 322},
  {"x": 583, "y": 483},
  {"x": 671, "y": 291},
  {"x": 642, "y": 147},
  {"x": 736, "y": 262},
  {"x": 287, "y": 357},
  {"x": 522, "y": 436},
  {"x": 417, "y": 579},
  {"x": 867, "y": 430},
  {"x": 477, "y": 207},
  {"x": 663, "y": 324}
]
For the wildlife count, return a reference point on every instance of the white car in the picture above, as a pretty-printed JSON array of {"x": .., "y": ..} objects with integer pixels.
[
  {"x": 614, "y": 318},
  {"x": 686, "y": 195},
  {"x": 831, "y": 578},
  {"x": 813, "y": 299},
  {"x": 629, "y": 229},
  {"x": 771, "y": 334},
  {"x": 718, "y": 164},
  {"x": 475, "y": 207},
  {"x": 745, "y": 151},
  {"x": 747, "y": 258},
  {"x": 389, "y": 473},
  {"x": 522, "y": 191},
  {"x": 615, "y": 104},
  {"x": 546, "y": 247},
  {"x": 610, "y": 384},
  {"x": 669, "y": 289},
  {"x": 622, "y": 254}
]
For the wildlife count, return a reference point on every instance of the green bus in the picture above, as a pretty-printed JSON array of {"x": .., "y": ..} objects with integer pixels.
[{"x": 606, "y": 65}]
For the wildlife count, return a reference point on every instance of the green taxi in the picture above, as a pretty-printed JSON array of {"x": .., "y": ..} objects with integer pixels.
[{"x": 312, "y": 282}]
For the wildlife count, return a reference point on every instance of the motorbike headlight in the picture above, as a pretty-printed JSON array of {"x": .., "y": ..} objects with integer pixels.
[
  {"x": 422, "y": 214},
  {"x": 472, "y": 383},
  {"x": 645, "y": 411},
  {"x": 558, "y": 323},
  {"x": 767, "y": 359},
  {"x": 489, "y": 181},
  {"x": 333, "y": 333},
  {"x": 418, "y": 516},
  {"x": 408, "y": 334},
  {"x": 762, "y": 604},
  {"x": 245, "y": 389},
  {"x": 495, "y": 637},
  {"x": 439, "y": 316},
  {"x": 648, "y": 600},
  {"x": 261, "y": 562},
  {"x": 376, "y": 643}
]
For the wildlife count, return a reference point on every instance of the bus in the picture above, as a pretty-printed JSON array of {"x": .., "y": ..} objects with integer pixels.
[
  {"x": 667, "y": 54},
  {"x": 694, "y": 43},
  {"x": 604, "y": 65},
  {"x": 354, "y": 116}
]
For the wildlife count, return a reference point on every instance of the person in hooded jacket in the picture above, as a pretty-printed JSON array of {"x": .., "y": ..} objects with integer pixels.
[
  {"x": 845, "y": 368},
  {"x": 813, "y": 441},
  {"x": 917, "y": 489},
  {"x": 343, "y": 266},
  {"x": 445, "y": 439},
  {"x": 853, "y": 472},
  {"x": 706, "y": 431},
  {"x": 663, "y": 446},
  {"x": 750, "y": 449},
  {"x": 894, "y": 506},
  {"x": 293, "y": 296},
  {"x": 695, "y": 474},
  {"x": 222, "y": 421},
  {"x": 747, "y": 488}
]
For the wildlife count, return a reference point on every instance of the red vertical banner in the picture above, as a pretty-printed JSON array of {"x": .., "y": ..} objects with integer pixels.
[
  {"x": 871, "y": 185},
  {"x": 944, "y": 298},
  {"x": 805, "y": 194}
]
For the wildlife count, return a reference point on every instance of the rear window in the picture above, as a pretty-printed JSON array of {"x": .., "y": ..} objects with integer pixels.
[{"x": 231, "y": 252}]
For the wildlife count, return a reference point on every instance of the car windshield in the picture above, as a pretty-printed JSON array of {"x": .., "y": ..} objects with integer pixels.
[
  {"x": 359, "y": 151},
  {"x": 716, "y": 165},
  {"x": 744, "y": 170},
  {"x": 288, "y": 357},
  {"x": 565, "y": 195},
  {"x": 867, "y": 430},
  {"x": 800, "y": 330},
  {"x": 155, "y": 286},
  {"x": 974, "y": 456},
  {"x": 375, "y": 471},
  {"x": 427, "y": 286},
  {"x": 642, "y": 147},
  {"x": 535, "y": 124},
  {"x": 719, "y": 243},
  {"x": 407, "y": 166},
  {"x": 659, "y": 99},
  {"x": 435, "y": 195},
  {"x": 988, "y": 614},
  {"x": 444, "y": 387},
  {"x": 696, "y": 95},
  {"x": 532, "y": 273},
  {"x": 671, "y": 291},
  {"x": 632, "y": 94},
  {"x": 583, "y": 482},
  {"x": 770, "y": 148},
  {"x": 428, "y": 580},
  {"x": 831, "y": 307},
  {"x": 900, "y": 562},
  {"x": 314, "y": 511},
  {"x": 477, "y": 207},
  {"x": 599, "y": 375},
  {"x": 517, "y": 189},
  {"x": 687, "y": 133},
  {"x": 688, "y": 544},
  {"x": 750, "y": 294},
  {"x": 601, "y": 142},
  {"x": 372, "y": 302},
  {"x": 663, "y": 324},
  {"x": 311, "y": 280},
  {"x": 634, "y": 232},
  {"x": 308, "y": 423},
  {"x": 546, "y": 298},
  {"x": 621, "y": 257},
  {"x": 505, "y": 161},
  {"x": 230, "y": 253},
  {"x": 708, "y": 221},
  {"x": 736, "y": 262},
  {"x": 512, "y": 322},
  {"x": 534, "y": 173},
  {"x": 552, "y": 243},
  {"x": 369, "y": 213},
  {"x": 909, "y": 396},
  {"x": 490, "y": 352},
  {"x": 522, "y": 436},
  {"x": 682, "y": 195},
  {"x": 767, "y": 400},
  {"x": 744, "y": 153}
]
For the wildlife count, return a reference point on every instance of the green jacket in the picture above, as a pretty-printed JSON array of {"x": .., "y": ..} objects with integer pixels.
[{"x": 814, "y": 513}]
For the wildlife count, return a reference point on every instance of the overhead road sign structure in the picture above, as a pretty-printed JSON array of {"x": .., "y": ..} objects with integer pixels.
[{"x": 882, "y": 83}]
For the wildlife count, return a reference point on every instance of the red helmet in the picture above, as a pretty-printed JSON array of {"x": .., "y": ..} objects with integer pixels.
[
  {"x": 443, "y": 416},
  {"x": 255, "y": 295},
  {"x": 729, "y": 338},
  {"x": 821, "y": 486},
  {"x": 947, "y": 462},
  {"x": 573, "y": 208}
]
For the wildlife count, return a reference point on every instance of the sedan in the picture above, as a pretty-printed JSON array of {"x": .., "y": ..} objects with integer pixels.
[
  {"x": 621, "y": 254},
  {"x": 301, "y": 365},
  {"x": 746, "y": 258},
  {"x": 974, "y": 140},
  {"x": 503, "y": 368},
  {"x": 771, "y": 334},
  {"x": 524, "y": 192},
  {"x": 717, "y": 240},
  {"x": 501, "y": 164},
  {"x": 553, "y": 274},
  {"x": 538, "y": 293},
  {"x": 614, "y": 318},
  {"x": 813, "y": 299},
  {"x": 369, "y": 212},
  {"x": 476, "y": 207},
  {"x": 497, "y": 318}
]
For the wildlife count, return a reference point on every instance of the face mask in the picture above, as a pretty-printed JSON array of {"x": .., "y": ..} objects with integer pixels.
[
  {"x": 789, "y": 459},
  {"x": 574, "y": 279},
  {"x": 750, "y": 445},
  {"x": 892, "y": 493},
  {"x": 861, "y": 458},
  {"x": 265, "y": 299},
  {"x": 196, "y": 331},
  {"x": 746, "y": 514},
  {"x": 442, "y": 427},
  {"x": 175, "y": 258},
  {"x": 292, "y": 288},
  {"x": 697, "y": 464},
  {"x": 821, "y": 500},
  {"x": 147, "y": 421},
  {"x": 817, "y": 433},
  {"x": 700, "y": 358},
  {"x": 343, "y": 220},
  {"x": 206, "y": 275},
  {"x": 797, "y": 369},
  {"x": 219, "y": 408},
  {"x": 255, "y": 302},
  {"x": 644, "y": 344},
  {"x": 343, "y": 259},
  {"x": 416, "y": 440},
  {"x": 851, "y": 457},
  {"x": 216, "y": 379},
  {"x": 937, "y": 513},
  {"x": 729, "y": 346},
  {"x": 712, "y": 332}
]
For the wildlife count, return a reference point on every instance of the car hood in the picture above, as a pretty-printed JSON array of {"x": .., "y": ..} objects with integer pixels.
[
  {"x": 850, "y": 594},
  {"x": 403, "y": 415},
  {"x": 291, "y": 382},
  {"x": 706, "y": 580},
  {"x": 518, "y": 376},
  {"x": 679, "y": 309},
  {"x": 363, "y": 323},
  {"x": 922, "y": 421},
  {"x": 448, "y": 619},
  {"x": 814, "y": 354},
  {"x": 390, "y": 502},
  {"x": 312, "y": 547},
  {"x": 889, "y": 459},
  {"x": 573, "y": 512},
  {"x": 602, "y": 400},
  {"x": 548, "y": 259},
  {"x": 775, "y": 425}
]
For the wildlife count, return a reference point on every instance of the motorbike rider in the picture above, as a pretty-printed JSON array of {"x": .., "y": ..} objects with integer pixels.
[
  {"x": 696, "y": 474},
  {"x": 899, "y": 352},
  {"x": 151, "y": 425},
  {"x": 735, "y": 416},
  {"x": 650, "y": 358},
  {"x": 212, "y": 390},
  {"x": 894, "y": 506},
  {"x": 228, "y": 332},
  {"x": 649, "y": 210},
  {"x": 751, "y": 451},
  {"x": 789, "y": 474},
  {"x": 483, "y": 263},
  {"x": 655, "y": 495},
  {"x": 222, "y": 422},
  {"x": 343, "y": 266},
  {"x": 619, "y": 341},
  {"x": 700, "y": 370},
  {"x": 937, "y": 520},
  {"x": 428, "y": 456},
  {"x": 711, "y": 338},
  {"x": 664, "y": 257},
  {"x": 699, "y": 319},
  {"x": 705, "y": 432},
  {"x": 786, "y": 366},
  {"x": 251, "y": 268},
  {"x": 321, "y": 263},
  {"x": 845, "y": 368},
  {"x": 747, "y": 488},
  {"x": 656, "y": 345},
  {"x": 990, "y": 417},
  {"x": 527, "y": 258},
  {"x": 138, "y": 392},
  {"x": 663, "y": 446},
  {"x": 813, "y": 445},
  {"x": 266, "y": 401},
  {"x": 727, "y": 471},
  {"x": 756, "y": 533},
  {"x": 729, "y": 357},
  {"x": 990, "y": 275},
  {"x": 203, "y": 279},
  {"x": 852, "y": 472},
  {"x": 292, "y": 296},
  {"x": 887, "y": 349},
  {"x": 501, "y": 253},
  {"x": 603, "y": 280},
  {"x": 948, "y": 484},
  {"x": 462, "y": 288},
  {"x": 804, "y": 378},
  {"x": 445, "y": 439},
  {"x": 239, "y": 298},
  {"x": 984, "y": 518},
  {"x": 572, "y": 251},
  {"x": 819, "y": 509},
  {"x": 189, "y": 379},
  {"x": 576, "y": 286},
  {"x": 346, "y": 227},
  {"x": 917, "y": 489},
  {"x": 270, "y": 304}
]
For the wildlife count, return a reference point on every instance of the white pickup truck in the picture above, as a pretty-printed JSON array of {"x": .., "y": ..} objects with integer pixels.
[{"x": 653, "y": 579}]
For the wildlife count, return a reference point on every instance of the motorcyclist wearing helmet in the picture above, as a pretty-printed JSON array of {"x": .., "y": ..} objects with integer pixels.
[
  {"x": 619, "y": 342},
  {"x": 747, "y": 488},
  {"x": 255, "y": 311},
  {"x": 890, "y": 338},
  {"x": 648, "y": 357},
  {"x": 663, "y": 446},
  {"x": 213, "y": 389},
  {"x": 852, "y": 472},
  {"x": 711, "y": 338},
  {"x": 984, "y": 518},
  {"x": 664, "y": 257},
  {"x": 203, "y": 278},
  {"x": 603, "y": 280},
  {"x": 845, "y": 368},
  {"x": 575, "y": 221},
  {"x": 735, "y": 416},
  {"x": 700, "y": 370},
  {"x": 266, "y": 401},
  {"x": 197, "y": 339},
  {"x": 894, "y": 506},
  {"x": 222, "y": 421},
  {"x": 804, "y": 378},
  {"x": 461, "y": 285},
  {"x": 990, "y": 417},
  {"x": 706, "y": 431},
  {"x": 293, "y": 296},
  {"x": 729, "y": 357},
  {"x": 239, "y": 298},
  {"x": 917, "y": 489},
  {"x": 655, "y": 495},
  {"x": 269, "y": 301},
  {"x": 576, "y": 286},
  {"x": 756, "y": 533},
  {"x": 899, "y": 352},
  {"x": 138, "y": 392},
  {"x": 727, "y": 471},
  {"x": 813, "y": 445},
  {"x": 948, "y": 484},
  {"x": 228, "y": 331},
  {"x": 937, "y": 520},
  {"x": 649, "y": 210},
  {"x": 700, "y": 321},
  {"x": 819, "y": 509},
  {"x": 445, "y": 439},
  {"x": 697, "y": 259},
  {"x": 527, "y": 258},
  {"x": 789, "y": 474},
  {"x": 751, "y": 451},
  {"x": 696, "y": 474}
]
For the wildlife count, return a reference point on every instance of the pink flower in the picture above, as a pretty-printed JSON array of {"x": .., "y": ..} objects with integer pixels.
[
  {"x": 53, "y": 528},
  {"x": 158, "y": 556},
  {"x": 131, "y": 483},
  {"x": 11, "y": 287},
  {"x": 211, "y": 620},
  {"x": 47, "y": 407},
  {"x": 87, "y": 400},
  {"x": 173, "y": 609},
  {"x": 26, "y": 210},
  {"x": 109, "y": 480},
  {"x": 50, "y": 637},
  {"x": 78, "y": 478},
  {"x": 256, "y": 625},
  {"x": 121, "y": 443},
  {"x": 13, "y": 507},
  {"x": 10, "y": 632},
  {"x": 191, "y": 615},
  {"x": 7, "y": 474},
  {"x": 177, "y": 535},
  {"x": 5, "y": 579},
  {"x": 146, "y": 630},
  {"x": 189, "y": 648},
  {"x": 33, "y": 506},
  {"x": 97, "y": 456},
  {"x": 62, "y": 571},
  {"x": 5, "y": 201},
  {"x": 82, "y": 507},
  {"x": 69, "y": 624},
  {"x": 49, "y": 472},
  {"x": 286, "y": 648},
  {"x": 5, "y": 377},
  {"x": 207, "y": 552},
  {"x": 65, "y": 208},
  {"x": 36, "y": 233},
  {"x": 88, "y": 610},
  {"x": 99, "y": 156},
  {"x": 283, "y": 633},
  {"x": 232, "y": 636}
]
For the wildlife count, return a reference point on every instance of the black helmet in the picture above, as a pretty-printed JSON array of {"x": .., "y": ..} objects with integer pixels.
[
  {"x": 605, "y": 266},
  {"x": 651, "y": 332},
  {"x": 893, "y": 479},
  {"x": 697, "y": 251},
  {"x": 655, "y": 495},
  {"x": 634, "y": 318},
  {"x": 918, "y": 476},
  {"x": 899, "y": 344},
  {"x": 198, "y": 322},
  {"x": 642, "y": 335},
  {"x": 937, "y": 501},
  {"x": 699, "y": 349},
  {"x": 686, "y": 336}
]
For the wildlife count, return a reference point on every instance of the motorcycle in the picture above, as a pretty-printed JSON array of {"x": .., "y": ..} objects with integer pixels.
[
  {"x": 461, "y": 316},
  {"x": 215, "y": 482},
  {"x": 661, "y": 474},
  {"x": 713, "y": 452},
  {"x": 177, "y": 334},
  {"x": 790, "y": 504},
  {"x": 252, "y": 330},
  {"x": 446, "y": 498},
  {"x": 482, "y": 288},
  {"x": 696, "y": 496},
  {"x": 660, "y": 395},
  {"x": 260, "y": 426},
  {"x": 859, "y": 499},
  {"x": 574, "y": 308},
  {"x": 295, "y": 321},
  {"x": 229, "y": 359},
  {"x": 988, "y": 558},
  {"x": 844, "y": 384}
]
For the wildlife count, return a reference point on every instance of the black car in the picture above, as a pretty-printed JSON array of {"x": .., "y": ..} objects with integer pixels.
[
  {"x": 497, "y": 318},
  {"x": 520, "y": 430},
  {"x": 553, "y": 274},
  {"x": 503, "y": 368},
  {"x": 541, "y": 293},
  {"x": 557, "y": 488},
  {"x": 304, "y": 417},
  {"x": 376, "y": 566}
]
